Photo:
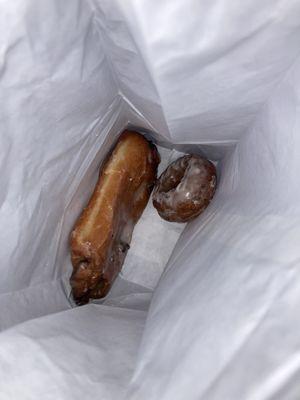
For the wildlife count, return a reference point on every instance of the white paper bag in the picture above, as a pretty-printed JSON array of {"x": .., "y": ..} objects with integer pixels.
[{"x": 217, "y": 77}]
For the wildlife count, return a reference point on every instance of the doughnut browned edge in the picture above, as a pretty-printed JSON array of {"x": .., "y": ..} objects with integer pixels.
[
  {"x": 185, "y": 188},
  {"x": 101, "y": 236}
]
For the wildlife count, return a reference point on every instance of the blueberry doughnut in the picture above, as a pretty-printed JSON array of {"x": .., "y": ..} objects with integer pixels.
[{"x": 185, "y": 188}]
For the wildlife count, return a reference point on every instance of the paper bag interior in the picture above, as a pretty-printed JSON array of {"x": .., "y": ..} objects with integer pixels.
[{"x": 198, "y": 310}]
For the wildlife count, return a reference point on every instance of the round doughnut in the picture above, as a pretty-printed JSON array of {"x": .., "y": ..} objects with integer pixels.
[{"x": 185, "y": 188}]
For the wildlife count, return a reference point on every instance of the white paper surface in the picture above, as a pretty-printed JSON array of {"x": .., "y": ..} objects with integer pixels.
[
  {"x": 52, "y": 111},
  {"x": 237, "y": 272},
  {"x": 81, "y": 353},
  {"x": 153, "y": 239},
  {"x": 204, "y": 68},
  {"x": 223, "y": 321}
]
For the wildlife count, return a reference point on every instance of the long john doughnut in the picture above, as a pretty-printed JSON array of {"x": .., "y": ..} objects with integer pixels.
[{"x": 101, "y": 236}]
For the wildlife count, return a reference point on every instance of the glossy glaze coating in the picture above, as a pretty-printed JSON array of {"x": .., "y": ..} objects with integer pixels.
[
  {"x": 101, "y": 237},
  {"x": 185, "y": 188}
]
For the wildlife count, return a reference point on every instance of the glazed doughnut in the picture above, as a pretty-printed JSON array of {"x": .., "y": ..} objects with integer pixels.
[
  {"x": 185, "y": 188},
  {"x": 101, "y": 237}
]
